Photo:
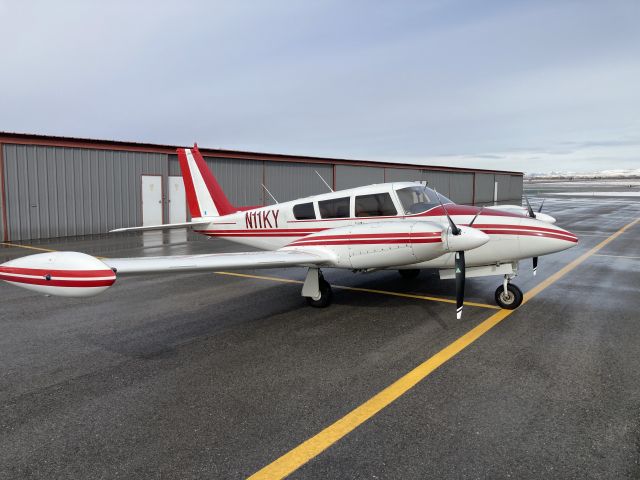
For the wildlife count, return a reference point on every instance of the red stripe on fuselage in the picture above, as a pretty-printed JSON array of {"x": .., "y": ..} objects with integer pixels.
[{"x": 358, "y": 241}]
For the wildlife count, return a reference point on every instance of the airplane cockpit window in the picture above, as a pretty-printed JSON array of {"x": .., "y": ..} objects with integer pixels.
[
  {"x": 419, "y": 199},
  {"x": 304, "y": 211},
  {"x": 376, "y": 205},
  {"x": 334, "y": 208}
]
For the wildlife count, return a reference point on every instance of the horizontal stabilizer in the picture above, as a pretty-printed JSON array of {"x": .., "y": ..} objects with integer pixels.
[{"x": 165, "y": 226}]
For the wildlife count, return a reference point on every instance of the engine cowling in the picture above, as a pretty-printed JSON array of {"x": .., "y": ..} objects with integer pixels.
[
  {"x": 378, "y": 245},
  {"x": 65, "y": 274}
]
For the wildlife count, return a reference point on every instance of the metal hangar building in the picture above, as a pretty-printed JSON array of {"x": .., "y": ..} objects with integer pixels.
[{"x": 61, "y": 186}]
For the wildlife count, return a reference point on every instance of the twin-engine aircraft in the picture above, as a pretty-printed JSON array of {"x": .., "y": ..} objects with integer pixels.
[{"x": 404, "y": 226}]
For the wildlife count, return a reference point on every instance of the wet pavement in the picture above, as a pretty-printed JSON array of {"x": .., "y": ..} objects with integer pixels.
[{"x": 215, "y": 376}]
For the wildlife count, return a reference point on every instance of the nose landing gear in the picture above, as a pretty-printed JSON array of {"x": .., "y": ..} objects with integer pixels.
[{"x": 508, "y": 295}]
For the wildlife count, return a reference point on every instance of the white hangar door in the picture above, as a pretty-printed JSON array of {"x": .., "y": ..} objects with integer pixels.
[
  {"x": 177, "y": 200},
  {"x": 151, "y": 200}
]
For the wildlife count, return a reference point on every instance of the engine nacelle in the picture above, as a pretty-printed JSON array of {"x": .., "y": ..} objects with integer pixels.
[
  {"x": 65, "y": 274},
  {"x": 378, "y": 245}
]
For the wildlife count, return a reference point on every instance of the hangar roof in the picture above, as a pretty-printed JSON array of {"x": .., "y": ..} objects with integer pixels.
[{"x": 74, "y": 142}]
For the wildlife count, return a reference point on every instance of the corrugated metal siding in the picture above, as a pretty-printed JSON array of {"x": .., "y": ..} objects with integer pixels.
[
  {"x": 59, "y": 191},
  {"x": 348, "y": 176},
  {"x": 240, "y": 179},
  {"x": 484, "y": 187},
  {"x": 404, "y": 175},
  {"x": 515, "y": 188},
  {"x": 288, "y": 181},
  {"x": 504, "y": 186},
  {"x": 461, "y": 188},
  {"x": 438, "y": 180},
  {"x": 2, "y": 187}
]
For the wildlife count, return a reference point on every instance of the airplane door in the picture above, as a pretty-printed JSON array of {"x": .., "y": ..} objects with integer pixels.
[
  {"x": 151, "y": 200},
  {"x": 177, "y": 201}
]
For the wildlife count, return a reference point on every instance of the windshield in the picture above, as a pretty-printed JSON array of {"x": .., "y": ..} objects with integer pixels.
[{"x": 419, "y": 199}]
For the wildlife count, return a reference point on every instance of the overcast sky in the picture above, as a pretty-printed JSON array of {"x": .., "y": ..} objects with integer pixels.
[{"x": 520, "y": 85}]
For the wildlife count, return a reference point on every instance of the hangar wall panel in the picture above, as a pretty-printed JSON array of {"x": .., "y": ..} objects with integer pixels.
[
  {"x": 509, "y": 187},
  {"x": 60, "y": 191},
  {"x": 515, "y": 188},
  {"x": 484, "y": 187},
  {"x": 240, "y": 179},
  {"x": 348, "y": 176},
  {"x": 288, "y": 181},
  {"x": 439, "y": 181},
  {"x": 404, "y": 175},
  {"x": 461, "y": 188}
]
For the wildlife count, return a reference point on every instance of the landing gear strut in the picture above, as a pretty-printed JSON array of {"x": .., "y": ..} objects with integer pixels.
[
  {"x": 508, "y": 295},
  {"x": 316, "y": 289}
]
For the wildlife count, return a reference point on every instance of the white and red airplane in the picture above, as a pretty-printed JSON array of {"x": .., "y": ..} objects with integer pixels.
[{"x": 402, "y": 225}]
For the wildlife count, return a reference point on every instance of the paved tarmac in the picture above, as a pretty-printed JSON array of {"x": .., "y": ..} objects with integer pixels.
[{"x": 216, "y": 376}]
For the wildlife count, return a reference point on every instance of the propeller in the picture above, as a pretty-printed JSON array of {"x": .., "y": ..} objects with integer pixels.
[
  {"x": 459, "y": 261},
  {"x": 540, "y": 208},
  {"x": 533, "y": 215}
]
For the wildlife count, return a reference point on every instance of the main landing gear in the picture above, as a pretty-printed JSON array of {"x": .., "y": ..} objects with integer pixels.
[
  {"x": 316, "y": 289},
  {"x": 508, "y": 295}
]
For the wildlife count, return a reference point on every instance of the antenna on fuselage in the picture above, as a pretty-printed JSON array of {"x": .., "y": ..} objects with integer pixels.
[
  {"x": 323, "y": 181},
  {"x": 267, "y": 190}
]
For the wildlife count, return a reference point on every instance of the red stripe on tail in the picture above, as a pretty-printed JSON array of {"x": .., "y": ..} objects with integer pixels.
[
  {"x": 219, "y": 198},
  {"x": 192, "y": 200}
]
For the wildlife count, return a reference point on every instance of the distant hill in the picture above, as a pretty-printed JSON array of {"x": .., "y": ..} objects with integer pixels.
[{"x": 602, "y": 174}]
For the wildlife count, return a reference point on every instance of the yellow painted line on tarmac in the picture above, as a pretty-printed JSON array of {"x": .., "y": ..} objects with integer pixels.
[
  {"x": 27, "y": 246},
  {"x": 311, "y": 448},
  {"x": 365, "y": 290}
]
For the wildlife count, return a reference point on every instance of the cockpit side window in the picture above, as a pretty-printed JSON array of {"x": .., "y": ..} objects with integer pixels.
[
  {"x": 376, "y": 205},
  {"x": 419, "y": 199},
  {"x": 334, "y": 208},
  {"x": 304, "y": 211}
]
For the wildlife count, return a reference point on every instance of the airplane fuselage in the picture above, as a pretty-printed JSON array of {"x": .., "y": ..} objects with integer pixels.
[{"x": 512, "y": 236}]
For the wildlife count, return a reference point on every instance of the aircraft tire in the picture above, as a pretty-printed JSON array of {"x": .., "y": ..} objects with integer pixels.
[
  {"x": 512, "y": 300},
  {"x": 409, "y": 274},
  {"x": 326, "y": 295}
]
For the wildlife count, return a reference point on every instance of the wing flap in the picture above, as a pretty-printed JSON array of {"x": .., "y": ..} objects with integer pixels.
[{"x": 215, "y": 261}]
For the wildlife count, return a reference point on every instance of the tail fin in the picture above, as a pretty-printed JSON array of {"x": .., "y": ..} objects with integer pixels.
[{"x": 204, "y": 195}]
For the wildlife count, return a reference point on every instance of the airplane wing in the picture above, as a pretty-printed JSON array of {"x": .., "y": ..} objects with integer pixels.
[{"x": 214, "y": 261}]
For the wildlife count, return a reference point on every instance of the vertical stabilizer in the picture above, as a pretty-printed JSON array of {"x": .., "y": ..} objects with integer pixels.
[{"x": 204, "y": 194}]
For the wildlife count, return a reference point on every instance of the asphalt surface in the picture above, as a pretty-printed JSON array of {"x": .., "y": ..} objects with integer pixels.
[{"x": 216, "y": 376}]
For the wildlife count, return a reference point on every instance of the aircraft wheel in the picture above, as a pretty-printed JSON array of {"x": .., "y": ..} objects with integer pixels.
[
  {"x": 511, "y": 300},
  {"x": 326, "y": 295},
  {"x": 409, "y": 274}
]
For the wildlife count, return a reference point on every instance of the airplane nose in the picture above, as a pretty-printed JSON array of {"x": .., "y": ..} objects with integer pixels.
[{"x": 541, "y": 238}]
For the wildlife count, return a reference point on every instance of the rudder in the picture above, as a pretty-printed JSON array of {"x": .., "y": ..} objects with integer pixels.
[{"x": 204, "y": 194}]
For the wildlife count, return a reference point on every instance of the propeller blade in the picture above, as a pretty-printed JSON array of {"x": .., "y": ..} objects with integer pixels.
[
  {"x": 531, "y": 214},
  {"x": 535, "y": 266},
  {"x": 460, "y": 280},
  {"x": 454, "y": 228},
  {"x": 540, "y": 209},
  {"x": 477, "y": 215}
]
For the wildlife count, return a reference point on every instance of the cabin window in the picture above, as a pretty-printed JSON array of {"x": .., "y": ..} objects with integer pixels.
[
  {"x": 376, "y": 205},
  {"x": 304, "y": 211},
  {"x": 334, "y": 208}
]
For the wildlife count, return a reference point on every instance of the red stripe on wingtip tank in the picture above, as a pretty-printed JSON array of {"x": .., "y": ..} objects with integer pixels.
[
  {"x": 58, "y": 283},
  {"x": 190, "y": 190},
  {"x": 58, "y": 273}
]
